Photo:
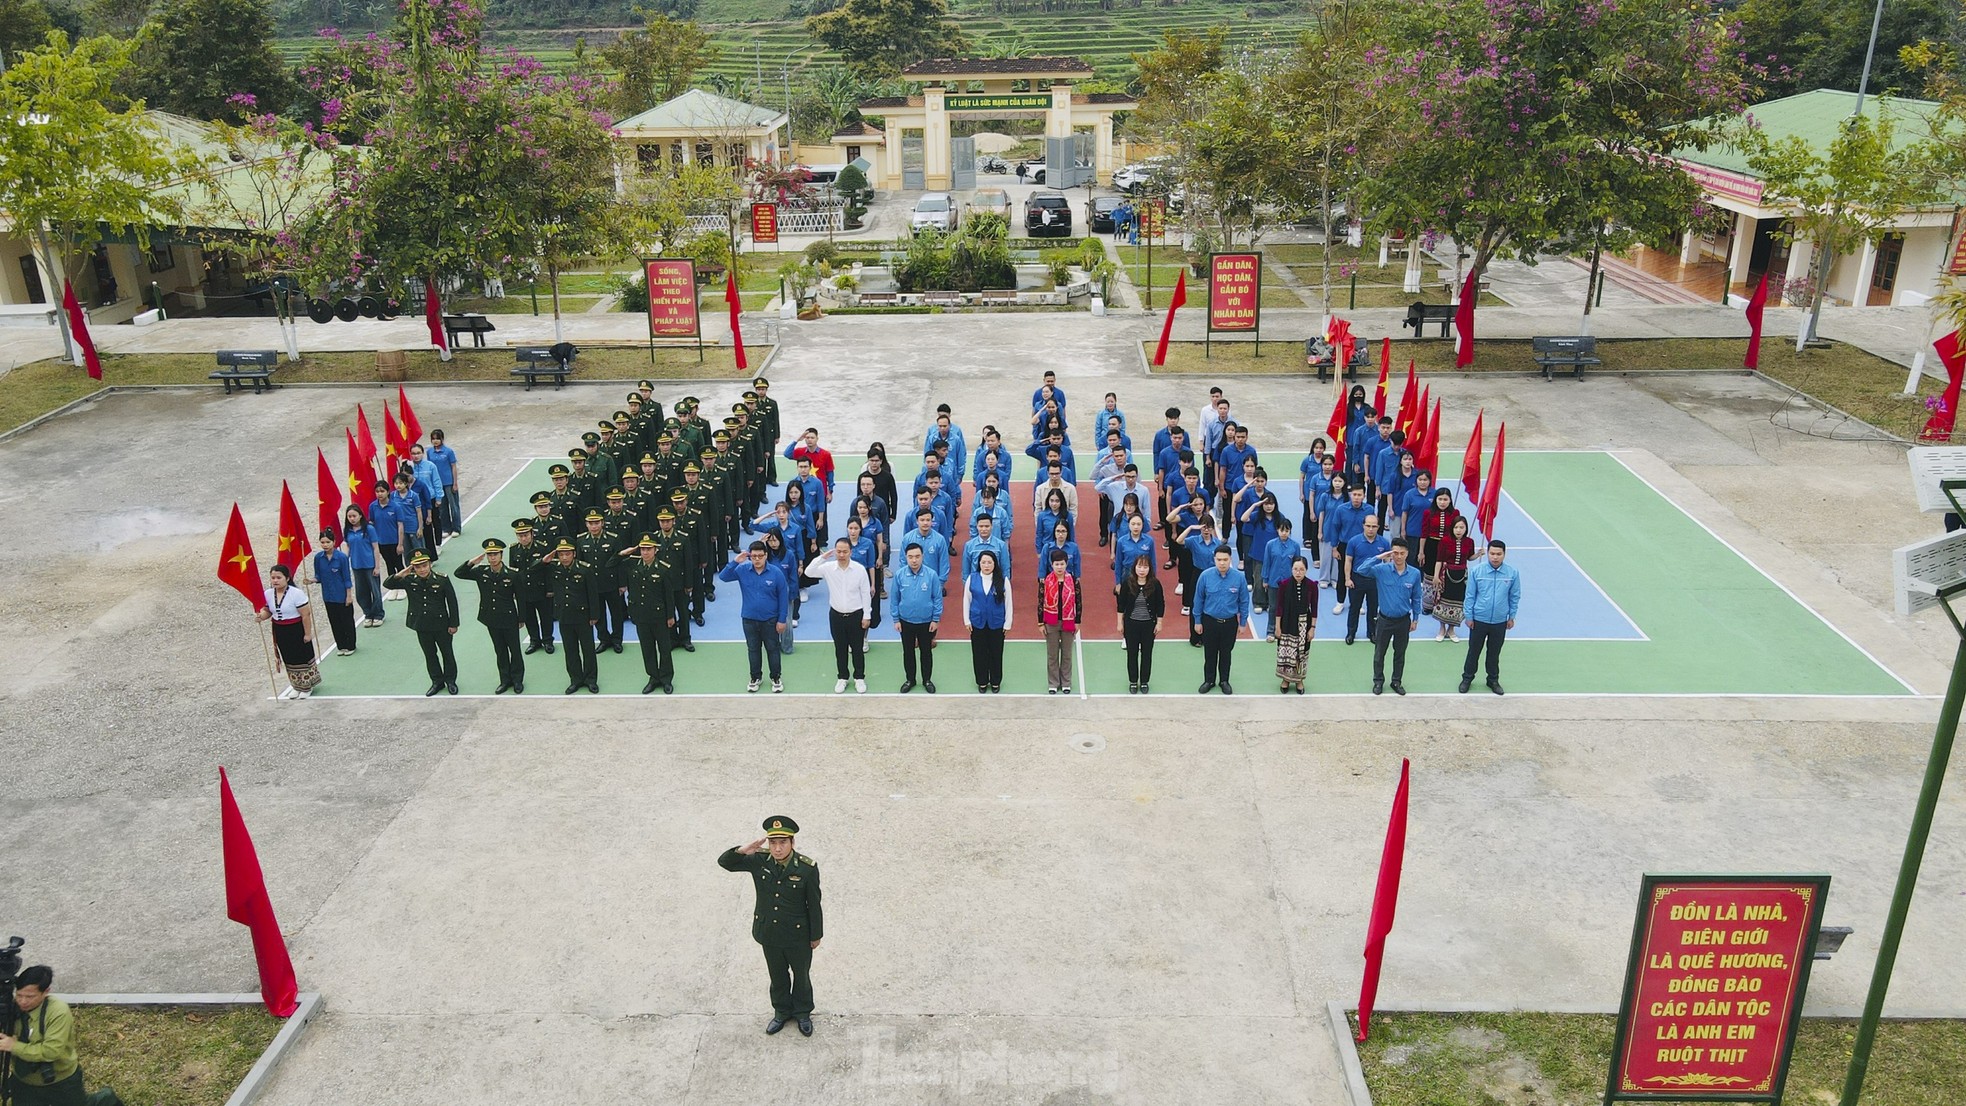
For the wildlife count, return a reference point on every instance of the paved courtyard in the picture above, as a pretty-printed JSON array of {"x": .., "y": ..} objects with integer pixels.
[{"x": 518, "y": 900}]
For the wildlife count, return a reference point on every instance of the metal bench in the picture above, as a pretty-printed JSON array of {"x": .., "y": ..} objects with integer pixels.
[
  {"x": 878, "y": 299},
  {"x": 1418, "y": 315},
  {"x": 477, "y": 326},
  {"x": 1572, "y": 352},
  {"x": 997, "y": 297},
  {"x": 240, "y": 367},
  {"x": 537, "y": 363},
  {"x": 944, "y": 299}
]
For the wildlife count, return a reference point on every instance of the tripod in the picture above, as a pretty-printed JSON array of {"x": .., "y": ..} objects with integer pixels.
[{"x": 10, "y": 963}]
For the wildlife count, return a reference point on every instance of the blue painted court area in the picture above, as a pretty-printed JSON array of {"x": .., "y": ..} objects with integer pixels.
[{"x": 1566, "y": 604}]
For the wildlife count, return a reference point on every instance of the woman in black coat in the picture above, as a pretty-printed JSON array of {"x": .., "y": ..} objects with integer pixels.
[
  {"x": 1293, "y": 603},
  {"x": 1141, "y": 605}
]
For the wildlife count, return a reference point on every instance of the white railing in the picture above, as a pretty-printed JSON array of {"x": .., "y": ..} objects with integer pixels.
[
  {"x": 810, "y": 222},
  {"x": 704, "y": 223}
]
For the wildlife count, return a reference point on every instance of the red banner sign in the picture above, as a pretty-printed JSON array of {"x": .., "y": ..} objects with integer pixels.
[
  {"x": 672, "y": 298},
  {"x": 1153, "y": 218},
  {"x": 764, "y": 223},
  {"x": 1719, "y": 966},
  {"x": 1958, "y": 265},
  {"x": 1235, "y": 283}
]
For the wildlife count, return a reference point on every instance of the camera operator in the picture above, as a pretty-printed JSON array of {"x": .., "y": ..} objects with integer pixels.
[{"x": 46, "y": 1069}]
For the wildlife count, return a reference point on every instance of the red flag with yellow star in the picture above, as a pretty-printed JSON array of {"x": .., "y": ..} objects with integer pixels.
[
  {"x": 327, "y": 493},
  {"x": 237, "y": 566},
  {"x": 396, "y": 448},
  {"x": 361, "y": 475},
  {"x": 293, "y": 545}
]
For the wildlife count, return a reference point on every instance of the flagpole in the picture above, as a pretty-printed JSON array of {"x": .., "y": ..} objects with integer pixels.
[{"x": 266, "y": 647}]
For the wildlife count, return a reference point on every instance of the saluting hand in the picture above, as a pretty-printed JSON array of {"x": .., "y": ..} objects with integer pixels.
[{"x": 753, "y": 847}]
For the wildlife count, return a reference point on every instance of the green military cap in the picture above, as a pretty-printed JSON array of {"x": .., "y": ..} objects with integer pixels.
[
  {"x": 648, "y": 459},
  {"x": 690, "y": 401},
  {"x": 419, "y": 558},
  {"x": 631, "y": 474},
  {"x": 647, "y": 542},
  {"x": 666, "y": 515},
  {"x": 493, "y": 545},
  {"x": 738, "y": 408},
  {"x": 760, "y": 382},
  {"x": 750, "y": 395},
  {"x": 594, "y": 515},
  {"x": 615, "y": 494},
  {"x": 607, "y": 426},
  {"x": 522, "y": 526},
  {"x": 679, "y": 494},
  {"x": 620, "y": 415},
  {"x": 565, "y": 546},
  {"x": 665, "y": 439},
  {"x": 709, "y": 454},
  {"x": 557, "y": 472},
  {"x": 720, "y": 436},
  {"x": 634, "y": 397},
  {"x": 649, "y": 384},
  {"x": 579, "y": 454},
  {"x": 692, "y": 467},
  {"x": 592, "y": 438},
  {"x": 780, "y": 826},
  {"x": 672, "y": 423}
]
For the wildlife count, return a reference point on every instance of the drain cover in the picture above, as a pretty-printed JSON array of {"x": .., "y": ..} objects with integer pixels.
[{"x": 1088, "y": 742}]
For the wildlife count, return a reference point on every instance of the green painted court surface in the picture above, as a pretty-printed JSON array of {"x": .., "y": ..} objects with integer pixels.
[{"x": 1712, "y": 623}]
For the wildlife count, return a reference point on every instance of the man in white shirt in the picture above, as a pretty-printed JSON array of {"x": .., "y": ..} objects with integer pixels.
[{"x": 850, "y": 594}]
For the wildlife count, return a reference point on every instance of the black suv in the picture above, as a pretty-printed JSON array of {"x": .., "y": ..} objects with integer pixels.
[{"x": 1048, "y": 214}]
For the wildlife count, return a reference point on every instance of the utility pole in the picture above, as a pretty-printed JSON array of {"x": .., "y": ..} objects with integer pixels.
[{"x": 1823, "y": 257}]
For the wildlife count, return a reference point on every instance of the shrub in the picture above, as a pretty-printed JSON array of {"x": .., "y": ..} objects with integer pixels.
[
  {"x": 823, "y": 252},
  {"x": 634, "y": 294}
]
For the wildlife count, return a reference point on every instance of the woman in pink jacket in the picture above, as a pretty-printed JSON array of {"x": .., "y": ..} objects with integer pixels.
[{"x": 1059, "y": 613}]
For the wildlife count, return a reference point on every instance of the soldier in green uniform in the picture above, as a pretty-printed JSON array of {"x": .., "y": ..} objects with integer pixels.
[
  {"x": 499, "y": 587},
  {"x": 582, "y": 482},
  {"x": 649, "y": 406},
  {"x": 637, "y": 501},
  {"x": 668, "y": 464},
  {"x": 788, "y": 921},
  {"x": 639, "y": 422},
  {"x": 694, "y": 426},
  {"x": 625, "y": 450},
  {"x": 528, "y": 553},
  {"x": 679, "y": 550},
  {"x": 595, "y": 547},
  {"x": 577, "y": 603},
  {"x": 765, "y": 414},
  {"x": 598, "y": 462},
  {"x": 652, "y": 604},
  {"x": 689, "y": 511},
  {"x": 433, "y": 615},
  {"x": 566, "y": 500}
]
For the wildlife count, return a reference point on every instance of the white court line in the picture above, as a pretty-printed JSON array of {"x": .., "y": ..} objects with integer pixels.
[
  {"x": 1764, "y": 573},
  {"x": 1642, "y": 636},
  {"x": 1471, "y": 697}
]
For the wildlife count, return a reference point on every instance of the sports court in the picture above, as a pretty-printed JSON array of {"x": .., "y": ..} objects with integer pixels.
[{"x": 1623, "y": 594}]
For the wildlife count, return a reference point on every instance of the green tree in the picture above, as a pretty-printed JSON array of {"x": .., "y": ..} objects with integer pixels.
[
  {"x": 1534, "y": 127},
  {"x": 878, "y": 37},
  {"x": 116, "y": 18},
  {"x": 77, "y": 163},
  {"x": 24, "y": 24},
  {"x": 198, "y": 55},
  {"x": 657, "y": 61},
  {"x": 1811, "y": 44}
]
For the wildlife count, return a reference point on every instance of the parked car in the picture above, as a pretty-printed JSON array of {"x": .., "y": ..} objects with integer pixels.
[
  {"x": 1034, "y": 170},
  {"x": 934, "y": 211},
  {"x": 1154, "y": 170},
  {"x": 991, "y": 201},
  {"x": 1048, "y": 215},
  {"x": 1102, "y": 213}
]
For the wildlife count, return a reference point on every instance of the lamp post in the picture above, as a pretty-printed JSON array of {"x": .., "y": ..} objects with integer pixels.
[{"x": 1921, "y": 829}]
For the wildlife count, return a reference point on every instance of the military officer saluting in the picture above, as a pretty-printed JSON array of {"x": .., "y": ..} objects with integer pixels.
[
  {"x": 499, "y": 588},
  {"x": 787, "y": 922},
  {"x": 433, "y": 615},
  {"x": 528, "y": 553},
  {"x": 596, "y": 546},
  {"x": 576, "y": 592},
  {"x": 652, "y": 604}
]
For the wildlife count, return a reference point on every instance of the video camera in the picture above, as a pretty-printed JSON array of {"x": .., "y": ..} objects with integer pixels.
[{"x": 10, "y": 965}]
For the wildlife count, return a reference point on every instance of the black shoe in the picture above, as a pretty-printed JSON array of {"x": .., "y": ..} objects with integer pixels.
[
  {"x": 571, "y": 688},
  {"x": 805, "y": 1025},
  {"x": 982, "y": 689},
  {"x": 1102, "y": 541},
  {"x": 502, "y": 689},
  {"x": 1226, "y": 689},
  {"x": 450, "y": 687},
  {"x": 1465, "y": 685},
  {"x": 434, "y": 689},
  {"x": 594, "y": 686},
  {"x": 689, "y": 647},
  {"x": 907, "y": 686},
  {"x": 648, "y": 688},
  {"x": 774, "y": 1025},
  {"x": 531, "y": 649},
  {"x": 698, "y": 619},
  {"x": 617, "y": 647},
  {"x": 548, "y": 647},
  {"x": 1399, "y": 688},
  {"x": 1133, "y": 689},
  {"x": 1051, "y": 691},
  {"x": 995, "y": 689},
  {"x": 1378, "y": 687},
  {"x": 1145, "y": 689},
  {"x": 1495, "y": 686},
  {"x": 518, "y": 687},
  {"x": 1205, "y": 689},
  {"x": 928, "y": 686},
  {"x": 1300, "y": 689},
  {"x": 1349, "y": 639}
]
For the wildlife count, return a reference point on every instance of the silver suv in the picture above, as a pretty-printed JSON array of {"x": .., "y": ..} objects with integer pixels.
[{"x": 934, "y": 211}]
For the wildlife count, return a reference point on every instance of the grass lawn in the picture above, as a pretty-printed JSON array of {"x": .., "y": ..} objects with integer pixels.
[
  {"x": 33, "y": 390},
  {"x": 520, "y": 303},
  {"x": 1562, "y": 1060},
  {"x": 172, "y": 1055}
]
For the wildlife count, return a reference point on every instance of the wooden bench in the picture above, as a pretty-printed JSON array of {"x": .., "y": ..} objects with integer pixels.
[
  {"x": 1418, "y": 315},
  {"x": 477, "y": 326},
  {"x": 944, "y": 299},
  {"x": 240, "y": 367},
  {"x": 1319, "y": 355},
  {"x": 997, "y": 297},
  {"x": 878, "y": 299},
  {"x": 537, "y": 363},
  {"x": 1571, "y": 352}
]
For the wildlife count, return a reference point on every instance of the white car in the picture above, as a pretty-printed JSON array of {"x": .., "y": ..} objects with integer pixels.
[
  {"x": 1130, "y": 178},
  {"x": 991, "y": 201},
  {"x": 934, "y": 211}
]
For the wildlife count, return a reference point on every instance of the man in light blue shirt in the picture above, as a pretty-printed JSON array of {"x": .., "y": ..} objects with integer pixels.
[
  {"x": 934, "y": 547},
  {"x": 1494, "y": 596},
  {"x": 917, "y": 591},
  {"x": 1221, "y": 606},
  {"x": 1399, "y": 612},
  {"x": 986, "y": 538}
]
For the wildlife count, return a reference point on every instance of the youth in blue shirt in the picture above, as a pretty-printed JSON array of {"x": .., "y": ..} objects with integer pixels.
[
  {"x": 1494, "y": 596},
  {"x": 985, "y": 540},
  {"x": 934, "y": 547},
  {"x": 766, "y": 608},
  {"x": 1132, "y": 543},
  {"x": 1399, "y": 612}
]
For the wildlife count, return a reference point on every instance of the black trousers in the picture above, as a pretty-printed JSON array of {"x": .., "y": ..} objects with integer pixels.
[
  {"x": 656, "y": 659},
  {"x": 578, "y": 640},
  {"x": 392, "y": 558},
  {"x": 511, "y": 658},
  {"x": 341, "y": 618},
  {"x": 437, "y": 656},
  {"x": 614, "y": 617},
  {"x": 849, "y": 644},
  {"x": 537, "y": 614},
  {"x": 791, "y": 979},
  {"x": 986, "y": 655},
  {"x": 1105, "y": 520},
  {"x": 917, "y": 641},
  {"x": 1390, "y": 630},
  {"x": 68, "y": 1092},
  {"x": 679, "y": 636},
  {"x": 1365, "y": 595},
  {"x": 1485, "y": 637},
  {"x": 1218, "y": 646},
  {"x": 1139, "y": 634}
]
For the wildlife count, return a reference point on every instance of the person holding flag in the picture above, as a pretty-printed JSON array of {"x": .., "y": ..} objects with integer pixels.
[{"x": 287, "y": 608}]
